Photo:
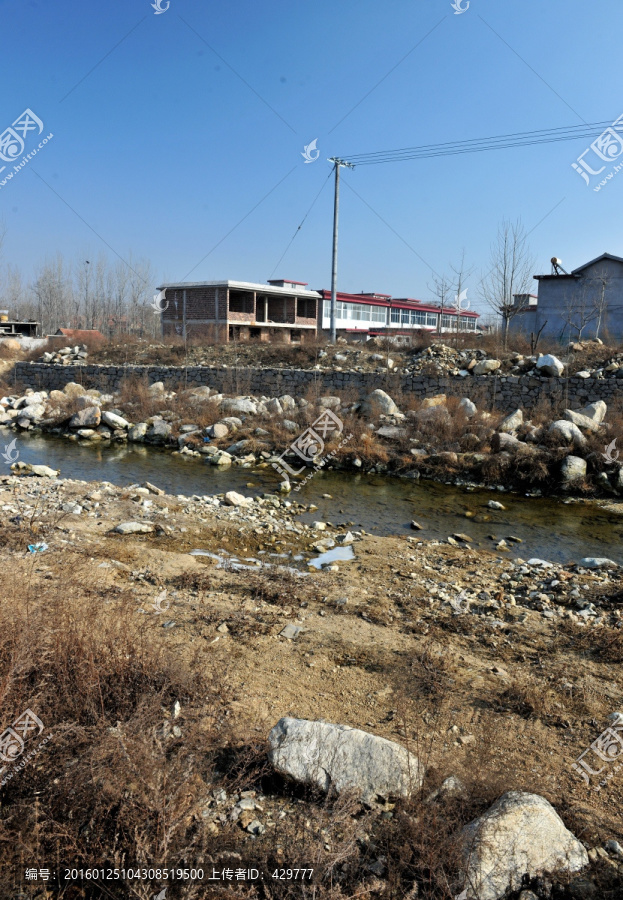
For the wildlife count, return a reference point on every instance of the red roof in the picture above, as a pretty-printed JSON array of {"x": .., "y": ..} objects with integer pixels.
[
  {"x": 77, "y": 334},
  {"x": 406, "y": 303}
]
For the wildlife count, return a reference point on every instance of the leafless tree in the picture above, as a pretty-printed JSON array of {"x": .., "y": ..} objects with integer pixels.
[
  {"x": 442, "y": 289},
  {"x": 602, "y": 280},
  {"x": 461, "y": 277},
  {"x": 510, "y": 273},
  {"x": 578, "y": 308}
]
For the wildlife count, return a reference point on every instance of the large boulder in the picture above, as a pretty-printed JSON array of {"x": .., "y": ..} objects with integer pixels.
[
  {"x": 287, "y": 402},
  {"x": 502, "y": 442},
  {"x": 568, "y": 432},
  {"x": 596, "y": 412},
  {"x": 468, "y": 407},
  {"x": 87, "y": 400},
  {"x": 573, "y": 469},
  {"x": 326, "y": 755},
  {"x": 511, "y": 423},
  {"x": 273, "y": 407},
  {"x": 550, "y": 365},
  {"x": 583, "y": 422},
  {"x": 218, "y": 430},
  {"x": 158, "y": 432},
  {"x": 233, "y": 498},
  {"x": 378, "y": 403},
  {"x": 485, "y": 366},
  {"x": 137, "y": 433},
  {"x": 86, "y": 418},
  {"x": 241, "y": 405},
  {"x": 431, "y": 402},
  {"x": 32, "y": 411},
  {"x": 72, "y": 389},
  {"x": 521, "y": 834},
  {"x": 115, "y": 421}
]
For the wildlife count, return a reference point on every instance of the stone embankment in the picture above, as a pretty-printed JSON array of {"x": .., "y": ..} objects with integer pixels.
[{"x": 490, "y": 389}]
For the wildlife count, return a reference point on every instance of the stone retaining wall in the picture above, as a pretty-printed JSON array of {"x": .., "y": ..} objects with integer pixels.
[{"x": 506, "y": 392}]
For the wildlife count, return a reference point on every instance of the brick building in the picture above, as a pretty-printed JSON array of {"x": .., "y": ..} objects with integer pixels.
[{"x": 223, "y": 311}]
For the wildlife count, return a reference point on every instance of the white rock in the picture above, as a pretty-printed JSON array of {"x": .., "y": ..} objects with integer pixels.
[
  {"x": 597, "y": 562},
  {"x": 287, "y": 402},
  {"x": 520, "y": 834},
  {"x": 487, "y": 365},
  {"x": 133, "y": 528},
  {"x": 232, "y": 498},
  {"x": 329, "y": 403},
  {"x": 44, "y": 471},
  {"x": 583, "y": 422},
  {"x": 240, "y": 405},
  {"x": 274, "y": 407},
  {"x": 72, "y": 389},
  {"x": 573, "y": 469},
  {"x": 218, "y": 430},
  {"x": 468, "y": 407},
  {"x": 86, "y": 418},
  {"x": 594, "y": 411},
  {"x": 511, "y": 423},
  {"x": 569, "y": 432},
  {"x": 550, "y": 365},
  {"x": 378, "y": 403},
  {"x": 337, "y": 756},
  {"x": 114, "y": 420}
]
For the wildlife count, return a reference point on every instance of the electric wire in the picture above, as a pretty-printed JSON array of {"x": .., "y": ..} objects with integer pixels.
[
  {"x": 324, "y": 184},
  {"x": 479, "y": 145}
]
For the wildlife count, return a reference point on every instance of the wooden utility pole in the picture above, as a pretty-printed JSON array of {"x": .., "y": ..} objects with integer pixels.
[{"x": 337, "y": 163}]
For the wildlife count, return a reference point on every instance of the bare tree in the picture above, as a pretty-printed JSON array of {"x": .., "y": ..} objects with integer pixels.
[
  {"x": 511, "y": 267},
  {"x": 578, "y": 308},
  {"x": 54, "y": 294},
  {"x": 461, "y": 276},
  {"x": 442, "y": 289},
  {"x": 602, "y": 280}
]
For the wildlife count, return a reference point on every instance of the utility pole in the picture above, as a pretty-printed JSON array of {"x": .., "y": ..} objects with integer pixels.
[{"x": 337, "y": 163}]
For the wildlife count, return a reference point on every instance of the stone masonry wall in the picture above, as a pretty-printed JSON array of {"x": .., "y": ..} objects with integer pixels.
[{"x": 504, "y": 392}]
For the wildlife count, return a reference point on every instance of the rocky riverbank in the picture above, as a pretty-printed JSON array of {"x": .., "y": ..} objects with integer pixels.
[
  {"x": 440, "y": 437},
  {"x": 455, "y": 688}
]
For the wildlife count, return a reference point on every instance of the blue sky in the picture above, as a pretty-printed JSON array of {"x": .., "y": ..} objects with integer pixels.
[{"x": 190, "y": 118}]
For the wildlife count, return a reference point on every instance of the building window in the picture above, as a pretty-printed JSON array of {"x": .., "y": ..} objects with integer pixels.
[
  {"x": 448, "y": 321},
  {"x": 431, "y": 320},
  {"x": 395, "y": 316},
  {"x": 378, "y": 314}
]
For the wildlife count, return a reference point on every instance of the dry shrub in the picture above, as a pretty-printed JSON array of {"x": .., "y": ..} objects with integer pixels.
[
  {"x": 111, "y": 785},
  {"x": 281, "y": 588}
]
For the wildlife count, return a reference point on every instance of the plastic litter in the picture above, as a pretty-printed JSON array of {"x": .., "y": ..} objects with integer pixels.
[{"x": 37, "y": 548}]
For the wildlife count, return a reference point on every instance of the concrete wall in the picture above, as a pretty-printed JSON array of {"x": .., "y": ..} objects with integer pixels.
[
  {"x": 559, "y": 293},
  {"x": 504, "y": 392}
]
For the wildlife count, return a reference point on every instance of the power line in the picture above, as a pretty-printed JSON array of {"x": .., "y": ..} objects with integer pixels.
[
  {"x": 479, "y": 145},
  {"x": 302, "y": 223}
]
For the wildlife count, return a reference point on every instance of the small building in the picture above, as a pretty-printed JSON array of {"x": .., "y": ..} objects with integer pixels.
[
  {"x": 223, "y": 311},
  {"x": 17, "y": 328},
  {"x": 578, "y": 305},
  {"x": 371, "y": 314}
]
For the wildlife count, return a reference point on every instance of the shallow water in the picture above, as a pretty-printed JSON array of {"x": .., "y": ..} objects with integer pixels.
[
  {"x": 548, "y": 529},
  {"x": 338, "y": 554}
]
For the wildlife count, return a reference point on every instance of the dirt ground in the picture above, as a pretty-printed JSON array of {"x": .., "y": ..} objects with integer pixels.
[{"x": 509, "y": 695}]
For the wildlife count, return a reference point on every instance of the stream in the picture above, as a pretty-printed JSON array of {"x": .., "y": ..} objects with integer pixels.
[{"x": 549, "y": 529}]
